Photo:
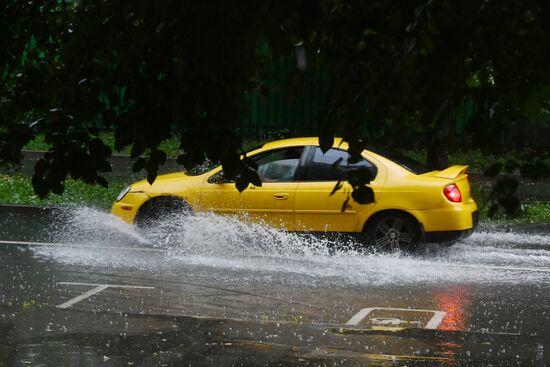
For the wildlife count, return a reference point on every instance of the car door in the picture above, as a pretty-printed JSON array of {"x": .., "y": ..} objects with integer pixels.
[
  {"x": 316, "y": 209},
  {"x": 219, "y": 194},
  {"x": 273, "y": 202}
]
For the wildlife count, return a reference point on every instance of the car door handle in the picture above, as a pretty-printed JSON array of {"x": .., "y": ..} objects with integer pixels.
[{"x": 281, "y": 196}]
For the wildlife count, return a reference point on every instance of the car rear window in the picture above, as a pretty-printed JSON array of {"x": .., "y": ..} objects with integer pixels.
[
  {"x": 402, "y": 160},
  {"x": 334, "y": 166}
]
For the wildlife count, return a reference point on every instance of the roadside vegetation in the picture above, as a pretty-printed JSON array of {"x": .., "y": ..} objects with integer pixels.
[
  {"x": 533, "y": 211},
  {"x": 16, "y": 188},
  {"x": 474, "y": 158},
  {"x": 363, "y": 71}
]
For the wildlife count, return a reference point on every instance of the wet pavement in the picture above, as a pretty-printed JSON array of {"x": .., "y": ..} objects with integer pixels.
[{"x": 81, "y": 288}]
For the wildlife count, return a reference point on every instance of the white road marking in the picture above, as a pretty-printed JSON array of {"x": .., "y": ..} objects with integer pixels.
[
  {"x": 432, "y": 324},
  {"x": 82, "y": 297},
  {"x": 71, "y": 245},
  {"x": 97, "y": 288}
]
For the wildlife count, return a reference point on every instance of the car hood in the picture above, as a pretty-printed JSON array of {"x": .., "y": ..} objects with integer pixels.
[{"x": 178, "y": 179}]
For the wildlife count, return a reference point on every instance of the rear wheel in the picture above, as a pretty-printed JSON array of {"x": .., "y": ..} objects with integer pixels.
[
  {"x": 157, "y": 211},
  {"x": 393, "y": 232}
]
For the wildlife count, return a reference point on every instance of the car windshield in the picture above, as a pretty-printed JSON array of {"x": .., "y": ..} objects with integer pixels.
[
  {"x": 402, "y": 160},
  {"x": 208, "y": 165},
  {"x": 204, "y": 167}
]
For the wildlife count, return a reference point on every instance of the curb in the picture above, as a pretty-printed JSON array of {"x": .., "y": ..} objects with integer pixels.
[
  {"x": 529, "y": 228},
  {"x": 27, "y": 209}
]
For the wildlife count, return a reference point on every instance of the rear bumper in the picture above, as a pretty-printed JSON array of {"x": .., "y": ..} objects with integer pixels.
[
  {"x": 447, "y": 236},
  {"x": 451, "y": 218}
]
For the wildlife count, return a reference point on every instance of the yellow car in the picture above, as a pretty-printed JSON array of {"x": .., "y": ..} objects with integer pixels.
[{"x": 411, "y": 204}]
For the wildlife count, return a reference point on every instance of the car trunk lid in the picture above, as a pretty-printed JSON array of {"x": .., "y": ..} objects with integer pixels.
[{"x": 457, "y": 175}]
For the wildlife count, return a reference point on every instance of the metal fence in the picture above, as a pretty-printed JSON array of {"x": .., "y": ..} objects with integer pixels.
[
  {"x": 288, "y": 104},
  {"x": 291, "y": 106}
]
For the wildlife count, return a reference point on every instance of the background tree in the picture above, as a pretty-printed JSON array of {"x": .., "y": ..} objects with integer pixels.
[{"x": 72, "y": 68}]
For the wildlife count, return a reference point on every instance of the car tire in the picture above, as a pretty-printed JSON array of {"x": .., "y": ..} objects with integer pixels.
[
  {"x": 153, "y": 212},
  {"x": 393, "y": 232}
]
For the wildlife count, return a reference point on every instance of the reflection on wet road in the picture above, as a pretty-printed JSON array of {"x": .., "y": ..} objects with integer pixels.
[{"x": 491, "y": 288}]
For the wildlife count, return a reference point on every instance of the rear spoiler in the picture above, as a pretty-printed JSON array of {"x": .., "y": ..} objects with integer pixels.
[{"x": 451, "y": 173}]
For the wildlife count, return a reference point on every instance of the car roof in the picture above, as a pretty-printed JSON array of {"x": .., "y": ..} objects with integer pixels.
[
  {"x": 297, "y": 142},
  {"x": 314, "y": 141}
]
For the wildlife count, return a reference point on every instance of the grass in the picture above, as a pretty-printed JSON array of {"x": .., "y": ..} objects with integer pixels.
[
  {"x": 533, "y": 211},
  {"x": 475, "y": 159},
  {"x": 18, "y": 190},
  {"x": 171, "y": 146}
]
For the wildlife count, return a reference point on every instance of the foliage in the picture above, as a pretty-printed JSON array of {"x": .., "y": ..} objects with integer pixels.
[
  {"x": 170, "y": 146},
  {"x": 18, "y": 190},
  {"x": 504, "y": 193},
  {"x": 69, "y": 69}
]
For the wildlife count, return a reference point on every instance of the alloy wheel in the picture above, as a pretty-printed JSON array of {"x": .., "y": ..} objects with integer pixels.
[{"x": 393, "y": 233}]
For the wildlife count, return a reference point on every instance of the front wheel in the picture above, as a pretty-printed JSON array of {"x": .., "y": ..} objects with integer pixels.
[
  {"x": 393, "y": 232},
  {"x": 155, "y": 212}
]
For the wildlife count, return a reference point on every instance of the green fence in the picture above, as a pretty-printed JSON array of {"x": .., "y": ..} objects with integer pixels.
[
  {"x": 291, "y": 106},
  {"x": 288, "y": 104}
]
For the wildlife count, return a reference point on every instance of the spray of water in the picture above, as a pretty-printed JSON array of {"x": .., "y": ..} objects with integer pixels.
[
  {"x": 91, "y": 226},
  {"x": 229, "y": 248}
]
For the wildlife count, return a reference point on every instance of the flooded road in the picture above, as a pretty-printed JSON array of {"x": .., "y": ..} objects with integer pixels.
[{"x": 82, "y": 279}]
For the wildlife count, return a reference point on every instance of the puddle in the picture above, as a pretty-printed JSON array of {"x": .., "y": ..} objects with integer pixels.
[{"x": 225, "y": 248}]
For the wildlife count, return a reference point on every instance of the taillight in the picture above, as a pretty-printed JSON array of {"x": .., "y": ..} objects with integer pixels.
[{"x": 452, "y": 193}]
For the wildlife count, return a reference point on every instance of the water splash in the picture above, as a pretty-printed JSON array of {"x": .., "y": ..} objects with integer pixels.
[
  {"x": 91, "y": 226},
  {"x": 226, "y": 248}
]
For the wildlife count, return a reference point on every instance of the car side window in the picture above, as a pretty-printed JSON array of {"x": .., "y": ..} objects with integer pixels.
[
  {"x": 333, "y": 165},
  {"x": 278, "y": 165}
]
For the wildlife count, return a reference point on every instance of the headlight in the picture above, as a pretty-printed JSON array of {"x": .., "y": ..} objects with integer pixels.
[{"x": 123, "y": 193}]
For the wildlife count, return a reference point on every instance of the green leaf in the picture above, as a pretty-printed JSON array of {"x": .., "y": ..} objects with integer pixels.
[
  {"x": 506, "y": 186},
  {"x": 253, "y": 177},
  {"x": 493, "y": 209},
  {"x": 511, "y": 205},
  {"x": 510, "y": 166},
  {"x": 241, "y": 183},
  {"x": 535, "y": 171},
  {"x": 139, "y": 164},
  {"x": 326, "y": 140},
  {"x": 40, "y": 186},
  {"x": 360, "y": 177},
  {"x": 157, "y": 157},
  {"x": 152, "y": 172},
  {"x": 345, "y": 205},
  {"x": 356, "y": 147},
  {"x": 363, "y": 195},
  {"x": 336, "y": 187},
  {"x": 102, "y": 181},
  {"x": 58, "y": 188},
  {"x": 493, "y": 170},
  {"x": 137, "y": 150}
]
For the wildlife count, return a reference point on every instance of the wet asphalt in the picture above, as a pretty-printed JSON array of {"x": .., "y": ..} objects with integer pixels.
[{"x": 85, "y": 290}]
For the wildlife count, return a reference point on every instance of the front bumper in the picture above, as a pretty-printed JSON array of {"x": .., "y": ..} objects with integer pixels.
[{"x": 126, "y": 209}]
